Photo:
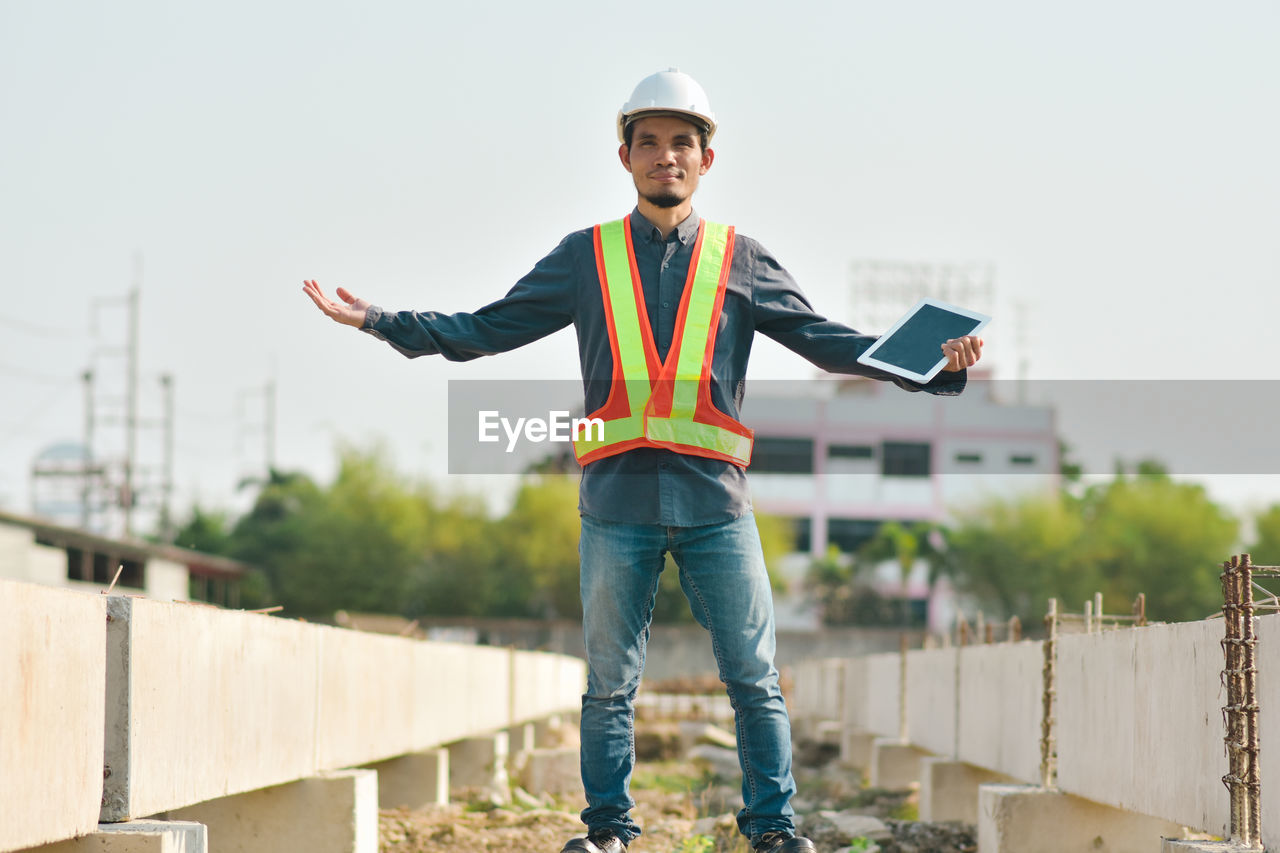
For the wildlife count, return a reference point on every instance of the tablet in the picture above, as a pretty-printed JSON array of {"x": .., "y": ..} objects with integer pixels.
[{"x": 913, "y": 346}]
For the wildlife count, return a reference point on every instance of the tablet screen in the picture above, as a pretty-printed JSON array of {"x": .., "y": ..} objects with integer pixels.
[{"x": 912, "y": 348}]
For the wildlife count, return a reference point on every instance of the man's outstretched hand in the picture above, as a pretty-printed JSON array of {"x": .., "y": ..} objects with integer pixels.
[
  {"x": 349, "y": 312},
  {"x": 960, "y": 352}
]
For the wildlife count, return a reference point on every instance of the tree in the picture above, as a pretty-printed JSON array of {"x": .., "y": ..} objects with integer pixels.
[
  {"x": 1265, "y": 550},
  {"x": 1140, "y": 532},
  {"x": 1166, "y": 539}
]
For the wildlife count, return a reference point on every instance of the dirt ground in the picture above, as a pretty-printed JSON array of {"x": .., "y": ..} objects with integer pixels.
[{"x": 671, "y": 792}]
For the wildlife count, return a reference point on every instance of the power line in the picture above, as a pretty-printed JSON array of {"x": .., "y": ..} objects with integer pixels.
[
  {"x": 36, "y": 329},
  {"x": 35, "y": 376},
  {"x": 41, "y": 408}
]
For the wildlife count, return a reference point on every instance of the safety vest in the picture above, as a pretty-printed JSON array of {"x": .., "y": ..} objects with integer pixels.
[{"x": 667, "y": 403}]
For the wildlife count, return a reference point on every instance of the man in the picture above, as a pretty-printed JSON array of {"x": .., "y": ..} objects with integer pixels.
[{"x": 665, "y": 307}]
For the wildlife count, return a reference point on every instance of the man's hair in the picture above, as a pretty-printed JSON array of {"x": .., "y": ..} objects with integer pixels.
[{"x": 629, "y": 128}]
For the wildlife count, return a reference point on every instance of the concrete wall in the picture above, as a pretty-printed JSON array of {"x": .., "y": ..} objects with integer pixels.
[
  {"x": 52, "y": 682},
  {"x": 207, "y": 703},
  {"x": 884, "y": 676},
  {"x": 1000, "y": 708},
  {"x": 167, "y": 580},
  {"x": 1140, "y": 722},
  {"x": 931, "y": 699},
  {"x": 21, "y": 559},
  {"x": 1269, "y": 726}
]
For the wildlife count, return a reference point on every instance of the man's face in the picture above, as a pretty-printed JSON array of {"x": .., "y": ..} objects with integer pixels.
[{"x": 666, "y": 159}]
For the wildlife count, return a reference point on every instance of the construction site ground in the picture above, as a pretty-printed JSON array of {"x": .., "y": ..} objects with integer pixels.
[{"x": 683, "y": 806}]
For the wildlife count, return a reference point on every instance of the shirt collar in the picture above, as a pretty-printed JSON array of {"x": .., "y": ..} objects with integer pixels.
[{"x": 685, "y": 232}]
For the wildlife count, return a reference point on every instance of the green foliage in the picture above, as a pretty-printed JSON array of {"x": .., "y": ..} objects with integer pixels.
[
  {"x": 1142, "y": 533},
  {"x": 698, "y": 844},
  {"x": 373, "y": 541},
  {"x": 208, "y": 532},
  {"x": 1265, "y": 550}
]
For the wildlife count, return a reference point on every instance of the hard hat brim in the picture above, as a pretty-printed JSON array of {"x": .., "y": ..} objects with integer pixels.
[{"x": 696, "y": 119}]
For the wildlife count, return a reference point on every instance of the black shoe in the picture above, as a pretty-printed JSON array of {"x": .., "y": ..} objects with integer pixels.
[
  {"x": 780, "y": 842},
  {"x": 603, "y": 841}
]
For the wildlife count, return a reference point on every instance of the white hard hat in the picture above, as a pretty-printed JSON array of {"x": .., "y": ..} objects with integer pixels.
[{"x": 670, "y": 91}]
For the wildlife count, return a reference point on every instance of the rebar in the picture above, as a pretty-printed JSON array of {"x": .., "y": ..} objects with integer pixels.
[
  {"x": 1240, "y": 714},
  {"x": 1048, "y": 747}
]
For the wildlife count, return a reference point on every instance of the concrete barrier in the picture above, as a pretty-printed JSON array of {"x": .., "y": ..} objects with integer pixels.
[
  {"x": 1268, "y": 657},
  {"x": 1139, "y": 721},
  {"x": 52, "y": 696},
  {"x": 999, "y": 708},
  {"x": 208, "y": 703},
  {"x": 883, "y": 697},
  {"x": 1139, "y": 727},
  {"x": 932, "y": 698}
]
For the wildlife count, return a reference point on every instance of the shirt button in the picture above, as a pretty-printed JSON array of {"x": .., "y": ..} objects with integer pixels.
[{"x": 666, "y": 305}]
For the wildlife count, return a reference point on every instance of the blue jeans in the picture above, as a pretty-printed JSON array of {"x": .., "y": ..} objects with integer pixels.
[{"x": 723, "y": 575}]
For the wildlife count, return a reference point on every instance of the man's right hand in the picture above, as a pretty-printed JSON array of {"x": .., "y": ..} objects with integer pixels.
[{"x": 349, "y": 312}]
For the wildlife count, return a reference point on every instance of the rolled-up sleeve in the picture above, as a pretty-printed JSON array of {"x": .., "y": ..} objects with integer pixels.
[
  {"x": 783, "y": 313},
  {"x": 540, "y": 303}
]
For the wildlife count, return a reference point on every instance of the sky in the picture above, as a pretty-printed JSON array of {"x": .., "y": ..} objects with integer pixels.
[{"x": 1114, "y": 161}]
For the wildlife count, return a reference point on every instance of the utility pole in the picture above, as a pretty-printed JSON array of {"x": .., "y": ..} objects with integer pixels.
[
  {"x": 131, "y": 399},
  {"x": 267, "y": 426}
]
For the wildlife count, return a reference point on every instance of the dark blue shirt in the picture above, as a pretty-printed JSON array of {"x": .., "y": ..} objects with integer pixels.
[{"x": 649, "y": 485}]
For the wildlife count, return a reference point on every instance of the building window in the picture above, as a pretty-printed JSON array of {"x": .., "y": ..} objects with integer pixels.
[
  {"x": 850, "y": 534},
  {"x": 1025, "y": 459},
  {"x": 782, "y": 456},
  {"x": 969, "y": 458},
  {"x": 905, "y": 459},
  {"x": 851, "y": 451},
  {"x": 802, "y": 529}
]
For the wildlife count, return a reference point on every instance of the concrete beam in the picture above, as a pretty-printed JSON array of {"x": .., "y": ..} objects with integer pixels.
[
  {"x": 138, "y": 836},
  {"x": 479, "y": 762},
  {"x": 1025, "y": 819},
  {"x": 855, "y": 748},
  {"x": 553, "y": 771},
  {"x": 1000, "y": 705},
  {"x": 949, "y": 789},
  {"x": 413, "y": 781},
  {"x": 1139, "y": 721},
  {"x": 895, "y": 765},
  {"x": 932, "y": 699},
  {"x": 331, "y": 813},
  {"x": 52, "y": 688}
]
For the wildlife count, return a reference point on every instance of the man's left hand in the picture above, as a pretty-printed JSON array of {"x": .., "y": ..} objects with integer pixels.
[{"x": 962, "y": 353}]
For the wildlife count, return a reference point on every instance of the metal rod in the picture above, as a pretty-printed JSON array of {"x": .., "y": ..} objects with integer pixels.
[{"x": 1048, "y": 751}]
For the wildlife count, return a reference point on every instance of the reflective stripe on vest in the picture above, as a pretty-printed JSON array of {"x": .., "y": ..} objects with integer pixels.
[{"x": 663, "y": 404}]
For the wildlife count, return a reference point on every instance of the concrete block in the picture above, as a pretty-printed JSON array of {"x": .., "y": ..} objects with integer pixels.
[
  {"x": 1025, "y": 819},
  {"x": 949, "y": 789},
  {"x": 1268, "y": 658},
  {"x": 1174, "y": 845},
  {"x": 1000, "y": 704},
  {"x": 1139, "y": 721},
  {"x": 855, "y": 748},
  {"x": 828, "y": 732},
  {"x": 883, "y": 700},
  {"x": 138, "y": 836},
  {"x": 331, "y": 813},
  {"x": 894, "y": 764},
  {"x": 52, "y": 688},
  {"x": 932, "y": 698},
  {"x": 413, "y": 781},
  {"x": 479, "y": 762},
  {"x": 552, "y": 771}
]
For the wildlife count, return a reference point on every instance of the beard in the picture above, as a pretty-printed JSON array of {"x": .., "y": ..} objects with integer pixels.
[{"x": 664, "y": 199}]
